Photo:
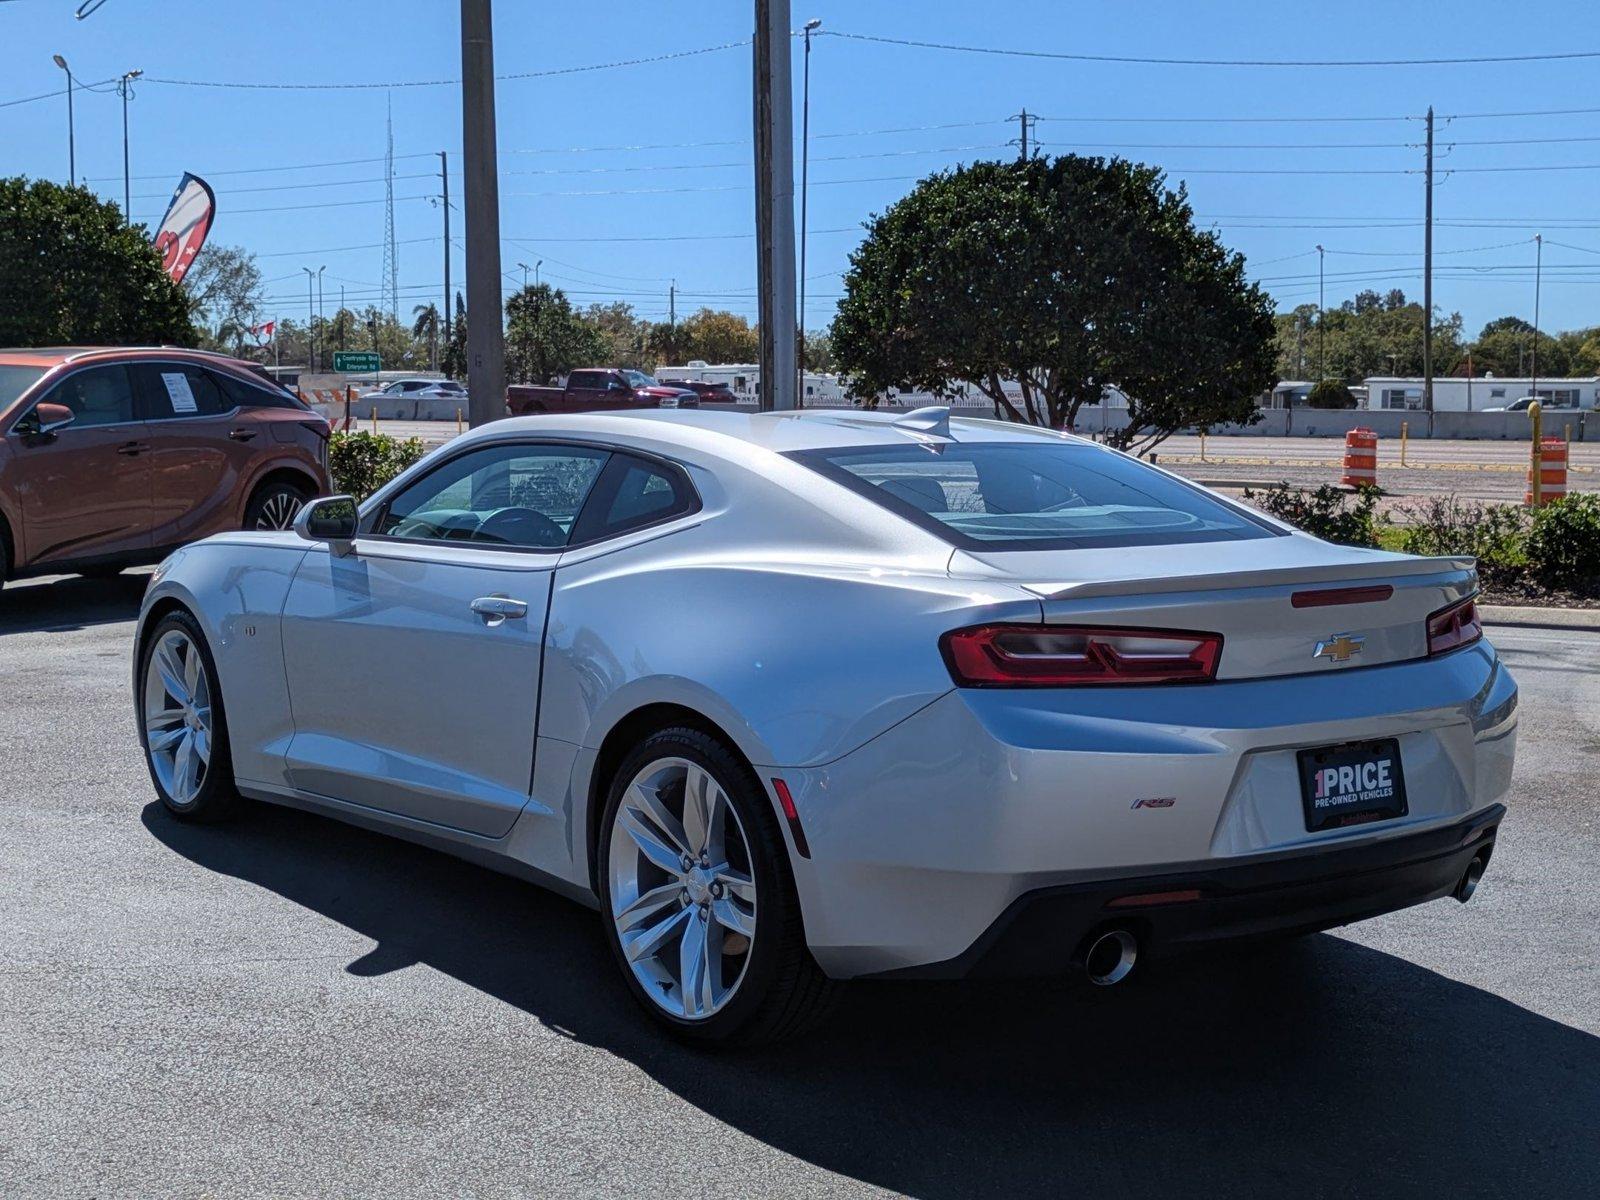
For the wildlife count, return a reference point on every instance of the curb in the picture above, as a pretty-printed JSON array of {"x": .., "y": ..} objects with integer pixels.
[{"x": 1529, "y": 617}]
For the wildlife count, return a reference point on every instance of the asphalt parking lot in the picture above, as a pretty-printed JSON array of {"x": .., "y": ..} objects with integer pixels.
[{"x": 288, "y": 1006}]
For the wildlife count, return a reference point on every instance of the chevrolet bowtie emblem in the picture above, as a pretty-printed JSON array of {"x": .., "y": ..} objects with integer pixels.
[{"x": 1341, "y": 648}]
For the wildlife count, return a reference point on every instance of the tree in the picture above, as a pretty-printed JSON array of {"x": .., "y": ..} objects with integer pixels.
[
  {"x": 817, "y": 351},
  {"x": 427, "y": 325},
  {"x": 627, "y": 337},
  {"x": 1067, "y": 275},
  {"x": 455, "y": 352},
  {"x": 1364, "y": 336},
  {"x": 223, "y": 285},
  {"x": 73, "y": 271},
  {"x": 1331, "y": 393},
  {"x": 545, "y": 338},
  {"x": 1506, "y": 346},
  {"x": 710, "y": 335}
]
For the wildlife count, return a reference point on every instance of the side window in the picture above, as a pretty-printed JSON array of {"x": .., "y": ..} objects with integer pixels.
[
  {"x": 522, "y": 496},
  {"x": 581, "y": 379},
  {"x": 634, "y": 492},
  {"x": 96, "y": 396},
  {"x": 239, "y": 394},
  {"x": 176, "y": 390}
]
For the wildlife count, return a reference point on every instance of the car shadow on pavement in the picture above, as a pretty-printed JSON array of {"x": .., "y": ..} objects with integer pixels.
[
  {"x": 69, "y": 602},
  {"x": 1310, "y": 1068}
]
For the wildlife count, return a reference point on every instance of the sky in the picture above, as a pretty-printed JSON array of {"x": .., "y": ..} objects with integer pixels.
[{"x": 631, "y": 179}]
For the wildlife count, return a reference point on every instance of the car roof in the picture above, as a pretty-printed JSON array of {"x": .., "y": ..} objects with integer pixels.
[
  {"x": 730, "y": 432},
  {"x": 53, "y": 356}
]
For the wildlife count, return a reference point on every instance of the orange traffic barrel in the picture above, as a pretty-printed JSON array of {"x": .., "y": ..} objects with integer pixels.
[
  {"x": 1552, "y": 472},
  {"x": 1360, "y": 459}
]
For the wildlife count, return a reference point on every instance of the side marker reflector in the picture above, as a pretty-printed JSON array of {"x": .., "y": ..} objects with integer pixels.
[{"x": 792, "y": 815}]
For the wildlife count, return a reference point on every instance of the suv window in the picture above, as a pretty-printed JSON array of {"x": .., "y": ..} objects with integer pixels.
[
  {"x": 180, "y": 390},
  {"x": 520, "y": 495},
  {"x": 241, "y": 394},
  {"x": 96, "y": 396},
  {"x": 632, "y": 493}
]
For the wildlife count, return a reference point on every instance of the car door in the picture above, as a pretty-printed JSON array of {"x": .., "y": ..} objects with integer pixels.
[
  {"x": 200, "y": 451},
  {"x": 414, "y": 662},
  {"x": 84, "y": 491}
]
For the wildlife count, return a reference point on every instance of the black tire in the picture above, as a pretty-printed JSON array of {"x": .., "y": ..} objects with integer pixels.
[
  {"x": 272, "y": 501},
  {"x": 217, "y": 798},
  {"x": 783, "y": 992}
]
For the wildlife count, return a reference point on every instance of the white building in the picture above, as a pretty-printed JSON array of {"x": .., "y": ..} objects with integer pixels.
[{"x": 1451, "y": 394}]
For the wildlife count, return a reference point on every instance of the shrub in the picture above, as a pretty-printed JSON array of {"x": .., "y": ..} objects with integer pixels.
[
  {"x": 1564, "y": 544},
  {"x": 1328, "y": 513},
  {"x": 1330, "y": 393},
  {"x": 361, "y": 463},
  {"x": 1495, "y": 534}
]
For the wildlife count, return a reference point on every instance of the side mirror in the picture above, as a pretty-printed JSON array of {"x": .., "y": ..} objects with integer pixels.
[
  {"x": 46, "y": 419},
  {"x": 616, "y": 385},
  {"x": 331, "y": 519}
]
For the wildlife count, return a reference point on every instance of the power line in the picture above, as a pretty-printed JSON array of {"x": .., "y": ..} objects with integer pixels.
[
  {"x": 418, "y": 83},
  {"x": 1212, "y": 62}
]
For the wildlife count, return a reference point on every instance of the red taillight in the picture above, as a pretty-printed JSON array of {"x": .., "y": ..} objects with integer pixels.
[
  {"x": 1077, "y": 656},
  {"x": 1454, "y": 627}
]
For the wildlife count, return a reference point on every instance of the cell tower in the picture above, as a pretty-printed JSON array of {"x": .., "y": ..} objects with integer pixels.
[{"x": 390, "y": 297}]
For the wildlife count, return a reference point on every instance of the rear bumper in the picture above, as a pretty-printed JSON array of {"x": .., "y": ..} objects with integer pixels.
[{"x": 1041, "y": 931}]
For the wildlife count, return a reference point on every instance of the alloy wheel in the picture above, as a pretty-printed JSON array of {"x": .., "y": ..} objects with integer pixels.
[
  {"x": 683, "y": 891},
  {"x": 279, "y": 511},
  {"x": 178, "y": 722}
]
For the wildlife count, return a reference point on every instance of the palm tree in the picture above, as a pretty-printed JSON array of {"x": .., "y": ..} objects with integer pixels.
[{"x": 427, "y": 325}]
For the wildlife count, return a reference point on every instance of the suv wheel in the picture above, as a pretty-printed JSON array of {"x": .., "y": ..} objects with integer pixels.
[{"x": 275, "y": 506}]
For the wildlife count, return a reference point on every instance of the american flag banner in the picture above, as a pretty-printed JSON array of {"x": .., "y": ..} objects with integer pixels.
[{"x": 183, "y": 230}]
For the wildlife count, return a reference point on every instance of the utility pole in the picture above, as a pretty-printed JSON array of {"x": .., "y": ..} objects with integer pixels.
[
  {"x": 123, "y": 90},
  {"x": 320, "y": 318},
  {"x": 811, "y": 27},
  {"x": 1322, "y": 321},
  {"x": 774, "y": 138},
  {"x": 340, "y": 317},
  {"x": 444, "y": 177},
  {"x": 1538, "y": 272},
  {"x": 1026, "y": 122},
  {"x": 486, "y": 363},
  {"x": 1427, "y": 277},
  {"x": 311, "y": 323}
]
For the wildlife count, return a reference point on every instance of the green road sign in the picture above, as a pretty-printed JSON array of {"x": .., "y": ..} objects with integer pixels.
[{"x": 361, "y": 362}]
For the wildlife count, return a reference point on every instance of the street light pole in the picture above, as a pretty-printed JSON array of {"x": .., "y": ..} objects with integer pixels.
[
  {"x": 524, "y": 267},
  {"x": 536, "y": 267},
  {"x": 321, "y": 320},
  {"x": 72, "y": 141},
  {"x": 1322, "y": 323},
  {"x": 811, "y": 26},
  {"x": 123, "y": 90},
  {"x": 1538, "y": 271}
]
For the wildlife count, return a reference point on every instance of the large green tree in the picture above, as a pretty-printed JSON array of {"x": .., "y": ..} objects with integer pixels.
[
  {"x": 1507, "y": 344},
  {"x": 546, "y": 338},
  {"x": 1370, "y": 334},
  {"x": 225, "y": 294},
  {"x": 710, "y": 335},
  {"x": 73, "y": 271},
  {"x": 1067, "y": 275}
]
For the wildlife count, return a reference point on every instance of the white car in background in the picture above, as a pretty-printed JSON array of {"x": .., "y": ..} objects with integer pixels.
[
  {"x": 418, "y": 389},
  {"x": 799, "y": 698}
]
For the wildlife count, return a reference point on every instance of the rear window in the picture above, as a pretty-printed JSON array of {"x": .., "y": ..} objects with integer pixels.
[{"x": 1024, "y": 496}]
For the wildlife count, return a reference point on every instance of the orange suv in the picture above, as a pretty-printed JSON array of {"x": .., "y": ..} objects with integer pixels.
[{"x": 114, "y": 456}]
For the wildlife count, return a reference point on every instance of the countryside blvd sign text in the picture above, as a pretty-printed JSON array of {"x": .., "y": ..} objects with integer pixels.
[{"x": 361, "y": 362}]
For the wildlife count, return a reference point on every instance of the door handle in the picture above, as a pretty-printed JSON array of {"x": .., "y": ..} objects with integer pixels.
[
  {"x": 495, "y": 609},
  {"x": 132, "y": 448},
  {"x": 241, "y": 435}
]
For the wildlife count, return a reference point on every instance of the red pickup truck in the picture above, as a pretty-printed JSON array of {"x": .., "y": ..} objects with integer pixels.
[{"x": 595, "y": 389}]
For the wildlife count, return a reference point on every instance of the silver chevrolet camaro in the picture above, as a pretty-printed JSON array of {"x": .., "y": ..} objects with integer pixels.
[{"x": 798, "y": 698}]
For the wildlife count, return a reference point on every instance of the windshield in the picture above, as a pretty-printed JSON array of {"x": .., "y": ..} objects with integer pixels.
[
  {"x": 1045, "y": 496},
  {"x": 16, "y": 380},
  {"x": 638, "y": 379}
]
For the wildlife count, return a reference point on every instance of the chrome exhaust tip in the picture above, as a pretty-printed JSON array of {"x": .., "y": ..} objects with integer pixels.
[
  {"x": 1109, "y": 957},
  {"x": 1469, "y": 880}
]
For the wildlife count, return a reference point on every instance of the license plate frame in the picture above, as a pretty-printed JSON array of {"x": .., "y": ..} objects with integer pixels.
[{"x": 1357, "y": 797}]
